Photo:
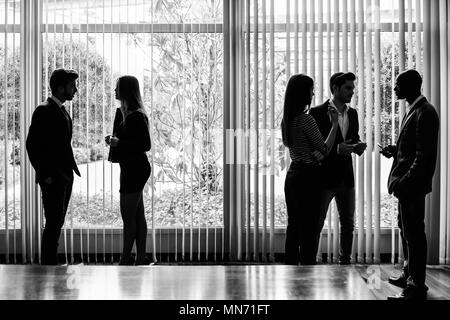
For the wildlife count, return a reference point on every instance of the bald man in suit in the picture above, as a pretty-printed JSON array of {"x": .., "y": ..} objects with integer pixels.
[{"x": 410, "y": 180}]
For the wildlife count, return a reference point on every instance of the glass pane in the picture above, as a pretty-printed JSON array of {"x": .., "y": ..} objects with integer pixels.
[
  {"x": 181, "y": 79},
  {"x": 9, "y": 115},
  {"x": 389, "y": 119}
]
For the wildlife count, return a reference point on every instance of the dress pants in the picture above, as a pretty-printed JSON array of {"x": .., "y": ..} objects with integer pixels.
[
  {"x": 55, "y": 198},
  {"x": 411, "y": 210},
  {"x": 345, "y": 202},
  {"x": 301, "y": 186}
]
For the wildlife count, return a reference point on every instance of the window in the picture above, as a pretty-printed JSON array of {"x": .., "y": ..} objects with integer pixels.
[
  {"x": 175, "y": 50},
  {"x": 10, "y": 116}
]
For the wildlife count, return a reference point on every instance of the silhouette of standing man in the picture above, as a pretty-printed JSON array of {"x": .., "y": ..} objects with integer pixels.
[
  {"x": 410, "y": 180},
  {"x": 51, "y": 155},
  {"x": 338, "y": 179}
]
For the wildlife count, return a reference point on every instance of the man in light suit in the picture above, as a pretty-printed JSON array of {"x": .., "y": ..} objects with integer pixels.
[
  {"x": 337, "y": 175},
  {"x": 50, "y": 152},
  {"x": 410, "y": 180}
]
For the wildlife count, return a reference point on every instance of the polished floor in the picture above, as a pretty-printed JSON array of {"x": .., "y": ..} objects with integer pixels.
[{"x": 208, "y": 282}]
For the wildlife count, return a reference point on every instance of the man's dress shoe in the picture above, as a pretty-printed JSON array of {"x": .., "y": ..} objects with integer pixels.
[
  {"x": 411, "y": 293},
  {"x": 400, "y": 281}
]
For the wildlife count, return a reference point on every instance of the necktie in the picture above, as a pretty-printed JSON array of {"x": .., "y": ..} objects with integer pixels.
[
  {"x": 66, "y": 115},
  {"x": 404, "y": 119}
]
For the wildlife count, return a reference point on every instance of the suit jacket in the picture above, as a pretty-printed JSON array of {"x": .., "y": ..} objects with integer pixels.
[
  {"x": 416, "y": 151},
  {"x": 49, "y": 143},
  {"x": 336, "y": 168}
]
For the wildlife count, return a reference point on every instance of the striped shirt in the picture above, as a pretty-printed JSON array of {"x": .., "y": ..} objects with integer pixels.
[{"x": 306, "y": 139}]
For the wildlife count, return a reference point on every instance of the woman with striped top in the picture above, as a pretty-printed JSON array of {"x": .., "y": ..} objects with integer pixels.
[{"x": 302, "y": 136}]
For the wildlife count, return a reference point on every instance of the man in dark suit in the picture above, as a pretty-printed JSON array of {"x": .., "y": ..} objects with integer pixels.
[
  {"x": 410, "y": 180},
  {"x": 337, "y": 178},
  {"x": 51, "y": 155}
]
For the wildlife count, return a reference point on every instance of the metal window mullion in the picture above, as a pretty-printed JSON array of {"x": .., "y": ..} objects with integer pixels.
[
  {"x": 393, "y": 122},
  {"x": 410, "y": 34},
  {"x": 312, "y": 45},
  {"x": 95, "y": 92},
  {"x": 26, "y": 172},
  {"x": 369, "y": 113},
  {"x": 296, "y": 57},
  {"x": 152, "y": 132},
  {"x": 288, "y": 66},
  {"x": 333, "y": 208},
  {"x": 175, "y": 36},
  {"x": 234, "y": 122},
  {"x": 353, "y": 102},
  {"x": 71, "y": 116},
  {"x": 447, "y": 244},
  {"x": 336, "y": 37},
  {"x": 199, "y": 97},
  {"x": 361, "y": 106},
  {"x": 345, "y": 35},
  {"x": 5, "y": 124},
  {"x": 418, "y": 46},
  {"x": 87, "y": 132},
  {"x": 227, "y": 195},
  {"x": 377, "y": 124},
  {"x": 247, "y": 130},
  {"x": 54, "y": 36},
  {"x": 319, "y": 86},
  {"x": 239, "y": 123},
  {"x": 64, "y": 66},
  {"x": 304, "y": 37},
  {"x": 444, "y": 101},
  {"x": 216, "y": 71},
  {"x": 46, "y": 54},
  {"x": 14, "y": 143},
  {"x": 128, "y": 35},
  {"x": 120, "y": 71},
  {"x": 272, "y": 128},
  {"x": 329, "y": 68},
  {"x": 264, "y": 125},
  {"x": 183, "y": 239},
  {"x": 320, "y": 49},
  {"x": 207, "y": 152},
  {"x": 63, "y": 34},
  {"x": 111, "y": 120},
  {"x": 103, "y": 134},
  {"x": 192, "y": 158},
  {"x": 256, "y": 126},
  {"x": 80, "y": 114},
  {"x": 402, "y": 51},
  {"x": 30, "y": 96}
]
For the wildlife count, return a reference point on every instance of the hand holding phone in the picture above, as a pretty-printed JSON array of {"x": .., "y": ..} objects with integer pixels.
[{"x": 387, "y": 151}]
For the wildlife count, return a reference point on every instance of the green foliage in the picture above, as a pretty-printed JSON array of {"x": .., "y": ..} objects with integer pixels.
[
  {"x": 178, "y": 207},
  {"x": 14, "y": 214},
  {"x": 187, "y": 106},
  {"x": 10, "y": 93}
]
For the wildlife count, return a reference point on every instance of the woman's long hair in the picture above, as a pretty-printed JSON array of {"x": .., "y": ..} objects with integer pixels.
[
  {"x": 129, "y": 91},
  {"x": 296, "y": 99}
]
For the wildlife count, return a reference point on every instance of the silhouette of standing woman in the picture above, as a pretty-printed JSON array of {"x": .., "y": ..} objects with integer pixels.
[
  {"x": 306, "y": 145},
  {"x": 129, "y": 144}
]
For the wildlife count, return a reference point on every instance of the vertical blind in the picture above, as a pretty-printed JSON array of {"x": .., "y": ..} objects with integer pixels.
[
  {"x": 110, "y": 38},
  {"x": 213, "y": 77},
  {"x": 374, "y": 39},
  {"x": 10, "y": 192}
]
